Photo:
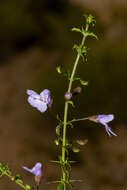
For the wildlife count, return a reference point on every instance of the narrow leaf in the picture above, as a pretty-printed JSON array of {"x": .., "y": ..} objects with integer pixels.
[
  {"x": 84, "y": 83},
  {"x": 67, "y": 74},
  {"x": 90, "y": 20},
  {"x": 88, "y": 33},
  {"x": 93, "y": 35},
  {"x": 76, "y": 29},
  {"x": 82, "y": 142},
  {"x": 58, "y": 130},
  {"x": 55, "y": 161},
  {"x": 76, "y": 150}
]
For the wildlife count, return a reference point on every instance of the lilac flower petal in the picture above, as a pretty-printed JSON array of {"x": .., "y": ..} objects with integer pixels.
[
  {"x": 33, "y": 102},
  {"x": 40, "y": 105},
  {"x": 105, "y": 118},
  {"x": 36, "y": 170},
  {"x": 49, "y": 100},
  {"x": 27, "y": 169},
  {"x": 111, "y": 132},
  {"x": 107, "y": 130},
  {"x": 46, "y": 96},
  {"x": 45, "y": 93},
  {"x": 31, "y": 92}
]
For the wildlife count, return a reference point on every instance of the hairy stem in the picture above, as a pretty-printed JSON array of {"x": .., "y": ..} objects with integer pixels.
[{"x": 66, "y": 112}]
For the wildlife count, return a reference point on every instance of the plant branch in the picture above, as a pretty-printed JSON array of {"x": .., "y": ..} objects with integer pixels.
[
  {"x": 66, "y": 110},
  {"x": 17, "y": 182}
]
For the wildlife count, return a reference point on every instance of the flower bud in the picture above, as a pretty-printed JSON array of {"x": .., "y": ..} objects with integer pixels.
[
  {"x": 56, "y": 142},
  {"x": 77, "y": 91},
  {"x": 104, "y": 120},
  {"x": 67, "y": 96}
]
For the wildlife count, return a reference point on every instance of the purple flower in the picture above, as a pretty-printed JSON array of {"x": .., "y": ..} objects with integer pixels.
[
  {"x": 40, "y": 101},
  {"x": 104, "y": 119},
  {"x": 36, "y": 170}
]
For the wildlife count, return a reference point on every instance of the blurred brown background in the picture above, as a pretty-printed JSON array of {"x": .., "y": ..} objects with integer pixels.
[{"x": 35, "y": 37}]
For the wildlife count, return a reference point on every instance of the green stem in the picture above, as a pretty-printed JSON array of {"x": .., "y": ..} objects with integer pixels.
[
  {"x": 74, "y": 68},
  {"x": 64, "y": 140},
  {"x": 81, "y": 119},
  {"x": 66, "y": 111}
]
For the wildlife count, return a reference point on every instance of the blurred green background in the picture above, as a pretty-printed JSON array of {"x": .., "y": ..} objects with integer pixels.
[{"x": 35, "y": 37}]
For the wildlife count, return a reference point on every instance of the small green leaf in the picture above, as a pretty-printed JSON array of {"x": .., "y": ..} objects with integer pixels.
[
  {"x": 18, "y": 178},
  {"x": 70, "y": 124},
  {"x": 82, "y": 142},
  {"x": 60, "y": 186},
  {"x": 67, "y": 74},
  {"x": 55, "y": 161},
  {"x": 58, "y": 130},
  {"x": 50, "y": 182},
  {"x": 76, "y": 78},
  {"x": 92, "y": 34},
  {"x": 88, "y": 33},
  {"x": 76, "y": 150},
  {"x": 60, "y": 158},
  {"x": 82, "y": 51},
  {"x": 90, "y": 20},
  {"x": 67, "y": 143},
  {"x": 1, "y": 165},
  {"x": 58, "y": 69},
  {"x": 76, "y": 29},
  {"x": 84, "y": 83},
  {"x": 57, "y": 142},
  {"x": 28, "y": 187},
  {"x": 70, "y": 102},
  {"x": 6, "y": 170},
  {"x": 57, "y": 117},
  {"x": 1, "y": 173},
  {"x": 78, "y": 48},
  {"x": 60, "y": 121}
]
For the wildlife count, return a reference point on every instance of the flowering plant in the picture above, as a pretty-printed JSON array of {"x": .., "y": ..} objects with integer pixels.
[{"x": 43, "y": 101}]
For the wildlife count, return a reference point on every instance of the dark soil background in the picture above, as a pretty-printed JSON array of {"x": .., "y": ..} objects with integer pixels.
[{"x": 35, "y": 37}]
